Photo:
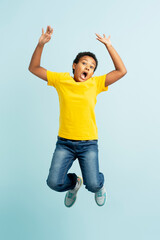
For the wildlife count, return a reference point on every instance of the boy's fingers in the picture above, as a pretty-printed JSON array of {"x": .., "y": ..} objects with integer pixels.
[
  {"x": 98, "y": 35},
  {"x": 42, "y": 31},
  {"x": 99, "y": 39},
  {"x": 48, "y": 29}
]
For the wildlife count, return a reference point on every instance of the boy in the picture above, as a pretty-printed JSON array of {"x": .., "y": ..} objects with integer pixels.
[{"x": 77, "y": 136}]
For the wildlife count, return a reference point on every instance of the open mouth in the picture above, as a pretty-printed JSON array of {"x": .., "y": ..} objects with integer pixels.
[{"x": 84, "y": 75}]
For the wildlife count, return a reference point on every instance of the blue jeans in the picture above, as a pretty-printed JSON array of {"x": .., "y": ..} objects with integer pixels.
[{"x": 65, "y": 154}]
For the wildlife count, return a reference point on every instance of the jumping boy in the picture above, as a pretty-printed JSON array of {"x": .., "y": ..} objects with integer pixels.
[{"x": 78, "y": 135}]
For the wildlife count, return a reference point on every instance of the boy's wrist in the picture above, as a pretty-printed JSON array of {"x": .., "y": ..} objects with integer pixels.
[
  {"x": 41, "y": 44},
  {"x": 108, "y": 45}
]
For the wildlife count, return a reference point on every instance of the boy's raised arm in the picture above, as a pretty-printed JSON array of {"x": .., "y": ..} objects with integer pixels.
[
  {"x": 120, "y": 69},
  {"x": 34, "y": 66}
]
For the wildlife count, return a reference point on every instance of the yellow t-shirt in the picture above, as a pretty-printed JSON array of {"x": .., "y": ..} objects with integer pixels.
[{"x": 77, "y": 102}]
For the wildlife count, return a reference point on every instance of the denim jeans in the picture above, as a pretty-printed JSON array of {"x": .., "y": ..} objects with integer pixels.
[{"x": 66, "y": 152}]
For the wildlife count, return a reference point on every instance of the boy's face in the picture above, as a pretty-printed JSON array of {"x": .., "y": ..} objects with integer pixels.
[{"x": 84, "y": 69}]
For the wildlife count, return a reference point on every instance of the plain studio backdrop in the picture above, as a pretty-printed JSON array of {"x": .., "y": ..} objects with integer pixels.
[{"x": 127, "y": 116}]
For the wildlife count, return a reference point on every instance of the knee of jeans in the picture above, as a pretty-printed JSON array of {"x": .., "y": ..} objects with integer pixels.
[
  {"x": 54, "y": 184},
  {"x": 93, "y": 187}
]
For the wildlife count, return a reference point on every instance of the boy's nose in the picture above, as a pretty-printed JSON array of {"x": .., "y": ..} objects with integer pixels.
[{"x": 87, "y": 68}]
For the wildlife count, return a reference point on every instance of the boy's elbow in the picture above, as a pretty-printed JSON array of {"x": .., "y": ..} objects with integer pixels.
[
  {"x": 124, "y": 72},
  {"x": 29, "y": 69}
]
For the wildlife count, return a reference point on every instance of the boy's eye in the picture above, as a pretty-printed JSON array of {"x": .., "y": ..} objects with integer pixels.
[{"x": 83, "y": 63}]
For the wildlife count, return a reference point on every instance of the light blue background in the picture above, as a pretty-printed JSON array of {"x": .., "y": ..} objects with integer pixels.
[{"x": 127, "y": 116}]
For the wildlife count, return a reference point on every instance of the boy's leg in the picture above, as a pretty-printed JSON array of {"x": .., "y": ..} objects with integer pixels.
[
  {"x": 88, "y": 160},
  {"x": 93, "y": 179},
  {"x": 62, "y": 160}
]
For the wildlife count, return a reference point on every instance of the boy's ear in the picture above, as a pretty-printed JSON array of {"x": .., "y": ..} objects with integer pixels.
[{"x": 74, "y": 65}]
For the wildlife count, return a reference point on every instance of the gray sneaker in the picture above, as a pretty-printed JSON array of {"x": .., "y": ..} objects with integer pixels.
[
  {"x": 71, "y": 195},
  {"x": 100, "y": 196}
]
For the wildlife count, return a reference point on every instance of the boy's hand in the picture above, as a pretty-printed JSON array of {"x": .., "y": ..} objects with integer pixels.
[
  {"x": 104, "y": 40},
  {"x": 45, "y": 37}
]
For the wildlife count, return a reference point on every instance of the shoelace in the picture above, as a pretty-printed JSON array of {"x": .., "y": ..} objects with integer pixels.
[
  {"x": 70, "y": 195},
  {"x": 99, "y": 194}
]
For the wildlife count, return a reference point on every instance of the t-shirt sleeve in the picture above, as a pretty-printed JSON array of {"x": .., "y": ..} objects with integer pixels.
[
  {"x": 53, "y": 78},
  {"x": 100, "y": 83}
]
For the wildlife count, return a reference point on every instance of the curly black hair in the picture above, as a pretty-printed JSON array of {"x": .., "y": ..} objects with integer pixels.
[{"x": 82, "y": 54}]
